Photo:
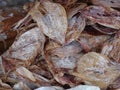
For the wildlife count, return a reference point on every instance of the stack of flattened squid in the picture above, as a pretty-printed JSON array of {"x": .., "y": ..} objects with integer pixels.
[{"x": 60, "y": 45}]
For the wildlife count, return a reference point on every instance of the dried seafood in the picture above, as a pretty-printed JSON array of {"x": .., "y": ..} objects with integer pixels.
[
  {"x": 104, "y": 16},
  {"x": 107, "y": 3},
  {"x": 96, "y": 69},
  {"x": 112, "y": 48},
  {"x": 51, "y": 19},
  {"x": 26, "y": 47},
  {"x": 60, "y": 45}
]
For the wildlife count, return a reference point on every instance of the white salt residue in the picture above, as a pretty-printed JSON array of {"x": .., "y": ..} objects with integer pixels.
[{"x": 67, "y": 62}]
